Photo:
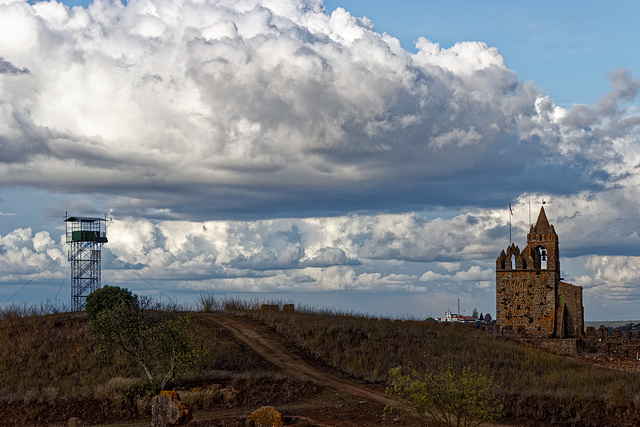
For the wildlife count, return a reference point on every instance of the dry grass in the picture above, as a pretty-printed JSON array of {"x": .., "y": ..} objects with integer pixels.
[
  {"x": 47, "y": 355},
  {"x": 40, "y": 353},
  {"x": 535, "y": 384}
]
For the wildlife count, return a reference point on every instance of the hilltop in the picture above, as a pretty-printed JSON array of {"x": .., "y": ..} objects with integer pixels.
[{"x": 318, "y": 368}]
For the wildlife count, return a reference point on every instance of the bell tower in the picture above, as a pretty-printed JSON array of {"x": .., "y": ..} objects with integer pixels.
[
  {"x": 531, "y": 299},
  {"x": 542, "y": 241}
]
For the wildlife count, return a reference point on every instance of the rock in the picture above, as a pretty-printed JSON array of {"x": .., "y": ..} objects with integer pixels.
[
  {"x": 168, "y": 410},
  {"x": 267, "y": 416}
]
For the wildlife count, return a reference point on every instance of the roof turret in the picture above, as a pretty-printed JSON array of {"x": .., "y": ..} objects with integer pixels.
[{"x": 542, "y": 224}]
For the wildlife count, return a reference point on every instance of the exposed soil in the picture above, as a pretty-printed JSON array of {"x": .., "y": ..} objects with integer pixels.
[
  {"x": 341, "y": 403},
  {"x": 270, "y": 346}
]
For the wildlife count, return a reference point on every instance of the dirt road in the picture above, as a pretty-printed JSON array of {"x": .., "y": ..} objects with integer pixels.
[{"x": 271, "y": 347}]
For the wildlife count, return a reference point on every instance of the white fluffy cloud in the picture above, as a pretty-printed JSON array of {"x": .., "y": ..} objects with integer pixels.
[
  {"x": 475, "y": 273},
  {"x": 270, "y": 108},
  {"x": 613, "y": 278},
  {"x": 22, "y": 254},
  {"x": 451, "y": 257},
  {"x": 307, "y": 243},
  {"x": 185, "y": 118},
  {"x": 284, "y": 255},
  {"x": 317, "y": 253}
]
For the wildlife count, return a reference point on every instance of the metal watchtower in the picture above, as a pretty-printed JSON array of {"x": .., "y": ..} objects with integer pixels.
[{"x": 85, "y": 236}]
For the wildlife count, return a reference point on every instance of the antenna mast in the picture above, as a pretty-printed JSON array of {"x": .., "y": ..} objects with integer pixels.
[{"x": 510, "y": 215}]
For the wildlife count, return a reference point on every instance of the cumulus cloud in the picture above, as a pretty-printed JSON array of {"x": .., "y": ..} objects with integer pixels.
[
  {"x": 600, "y": 223},
  {"x": 315, "y": 254},
  {"x": 611, "y": 279},
  {"x": 263, "y": 245},
  {"x": 184, "y": 119},
  {"x": 624, "y": 89},
  {"x": 322, "y": 255},
  {"x": 270, "y": 108},
  {"x": 475, "y": 273},
  {"x": 23, "y": 255}
]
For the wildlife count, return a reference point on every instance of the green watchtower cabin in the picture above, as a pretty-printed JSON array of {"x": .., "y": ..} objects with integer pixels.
[{"x": 85, "y": 237}]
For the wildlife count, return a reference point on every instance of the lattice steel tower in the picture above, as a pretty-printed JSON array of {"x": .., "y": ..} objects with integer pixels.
[{"x": 85, "y": 236}]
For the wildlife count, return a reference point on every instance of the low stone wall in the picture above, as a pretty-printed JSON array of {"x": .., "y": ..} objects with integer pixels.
[
  {"x": 559, "y": 346},
  {"x": 288, "y": 308},
  {"x": 606, "y": 333},
  {"x": 614, "y": 342}
]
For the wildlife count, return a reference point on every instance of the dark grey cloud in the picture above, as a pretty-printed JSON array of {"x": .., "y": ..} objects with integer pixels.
[
  {"x": 624, "y": 88},
  {"x": 27, "y": 142},
  {"x": 7, "y": 67}
]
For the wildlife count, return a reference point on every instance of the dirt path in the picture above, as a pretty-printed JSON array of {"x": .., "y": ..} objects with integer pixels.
[{"x": 264, "y": 342}]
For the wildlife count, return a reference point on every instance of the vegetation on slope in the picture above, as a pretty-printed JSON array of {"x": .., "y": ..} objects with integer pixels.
[
  {"x": 535, "y": 384},
  {"x": 52, "y": 356},
  {"x": 158, "y": 341},
  {"x": 49, "y": 370}
]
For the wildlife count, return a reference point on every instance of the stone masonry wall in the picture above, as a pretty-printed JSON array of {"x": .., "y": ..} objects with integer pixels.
[
  {"x": 574, "y": 314},
  {"x": 559, "y": 346},
  {"x": 526, "y": 301}
]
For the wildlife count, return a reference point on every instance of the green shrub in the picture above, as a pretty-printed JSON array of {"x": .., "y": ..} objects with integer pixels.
[
  {"x": 108, "y": 298},
  {"x": 463, "y": 398}
]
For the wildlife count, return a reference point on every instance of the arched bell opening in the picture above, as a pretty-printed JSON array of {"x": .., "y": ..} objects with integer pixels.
[{"x": 539, "y": 258}]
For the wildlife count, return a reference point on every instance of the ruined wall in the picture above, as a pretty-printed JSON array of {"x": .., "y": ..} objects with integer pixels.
[
  {"x": 526, "y": 301},
  {"x": 573, "y": 310},
  {"x": 559, "y": 346}
]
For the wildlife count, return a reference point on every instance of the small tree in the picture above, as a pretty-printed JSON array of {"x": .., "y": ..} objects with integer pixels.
[
  {"x": 157, "y": 341},
  {"x": 475, "y": 313},
  {"x": 107, "y": 298},
  {"x": 461, "y": 399},
  {"x": 487, "y": 318}
]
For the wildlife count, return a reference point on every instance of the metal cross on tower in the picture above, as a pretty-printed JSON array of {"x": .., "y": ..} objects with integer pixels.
[{"x": 85, "y": 236}]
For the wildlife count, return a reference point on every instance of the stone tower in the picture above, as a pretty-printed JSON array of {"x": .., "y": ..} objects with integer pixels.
[{"x": 531, "y": 297}]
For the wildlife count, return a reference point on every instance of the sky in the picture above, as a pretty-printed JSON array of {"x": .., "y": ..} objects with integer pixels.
[{"x": 354, "y": 155}]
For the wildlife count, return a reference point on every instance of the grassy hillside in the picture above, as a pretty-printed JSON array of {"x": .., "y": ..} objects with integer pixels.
[
  {"x": 50, "y": 358},
  {"x": 49, "y": 372},
  {"x": 535, "y": 384}
]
